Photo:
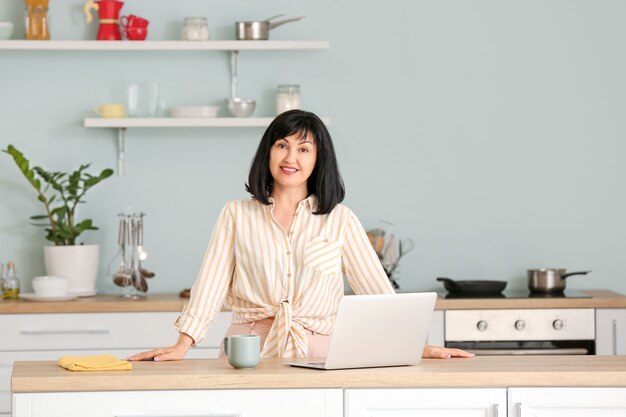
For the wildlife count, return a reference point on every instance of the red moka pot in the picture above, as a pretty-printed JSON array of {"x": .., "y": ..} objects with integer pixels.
[{"x": 109, "y": 15}]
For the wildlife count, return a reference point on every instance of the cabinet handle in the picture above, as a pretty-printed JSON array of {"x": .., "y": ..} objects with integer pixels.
[
  {"x": 518, "y": 409},
  {"x": 198, "y": 415},
  {"x": 64, "y": 331},
  {"x": 495, "y": 410},
  {"x": 614, "y": 336}
]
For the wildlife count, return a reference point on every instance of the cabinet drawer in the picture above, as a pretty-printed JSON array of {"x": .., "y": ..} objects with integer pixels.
[
  {"x": 98, "y": 331},
  {"x": 244, "y": 403},
  {"x": 403, "y": 402}
]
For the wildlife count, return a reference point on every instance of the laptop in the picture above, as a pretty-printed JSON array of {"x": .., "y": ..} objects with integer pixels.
[{"x": 378, "y": 330}]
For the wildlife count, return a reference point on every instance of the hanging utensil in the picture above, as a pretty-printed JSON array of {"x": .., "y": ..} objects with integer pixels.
[
  {"x": 406, "y": 246},
  {"x": 134, "y": 258},
  {"x": 142, "y": 256},
  {"x": 391, "y": 254},
  {"x": 122, "y": 278},
  {"x": 233, "y": 74}
]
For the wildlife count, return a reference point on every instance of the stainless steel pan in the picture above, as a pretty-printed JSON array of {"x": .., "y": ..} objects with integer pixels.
[
  {"x": 549, "y": 280},
  {"x": 259, "y": 30}
]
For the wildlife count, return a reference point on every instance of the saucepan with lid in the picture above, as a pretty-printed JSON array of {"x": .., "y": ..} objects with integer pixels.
[
  {"x": 260, "y": 30},
  {"x": 549, "y": 280}
]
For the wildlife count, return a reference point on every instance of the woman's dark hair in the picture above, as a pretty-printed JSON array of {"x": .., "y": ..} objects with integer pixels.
[{"x": 325, "y": 181}]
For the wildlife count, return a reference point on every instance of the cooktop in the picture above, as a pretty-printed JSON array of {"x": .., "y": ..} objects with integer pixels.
[{"x": 516, "y": 294}]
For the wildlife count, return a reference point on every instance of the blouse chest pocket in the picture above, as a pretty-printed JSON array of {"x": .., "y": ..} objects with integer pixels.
[{"x": 322, "y": 254}]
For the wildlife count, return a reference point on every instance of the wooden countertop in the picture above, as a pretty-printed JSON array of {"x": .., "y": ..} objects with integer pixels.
[
  {"x": 599, "y": 299},
  {"x": 172, "y": 302},
  {"x": 106, "y": 303},
  {"x": 482, "y": 371}
]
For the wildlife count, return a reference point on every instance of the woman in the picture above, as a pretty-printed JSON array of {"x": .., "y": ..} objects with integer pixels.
[{"x": 278, "y": 260}]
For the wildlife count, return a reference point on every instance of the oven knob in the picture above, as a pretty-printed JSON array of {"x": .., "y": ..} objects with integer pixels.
[
  {"x": 557, "y": 324},
  {"x": 481, "y": 325},
  {"x": 520, "y": 324}
]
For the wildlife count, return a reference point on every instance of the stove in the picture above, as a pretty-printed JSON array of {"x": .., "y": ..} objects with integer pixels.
[
  {"x": 522, "y": 331},
  {"x": 515, "y": 294}
]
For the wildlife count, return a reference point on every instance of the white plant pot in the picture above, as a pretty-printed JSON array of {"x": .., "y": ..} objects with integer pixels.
[{"x": 78, "y": 263}]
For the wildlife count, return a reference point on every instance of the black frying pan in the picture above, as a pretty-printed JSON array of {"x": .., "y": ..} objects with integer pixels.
[{"x": 473, "y": 287}]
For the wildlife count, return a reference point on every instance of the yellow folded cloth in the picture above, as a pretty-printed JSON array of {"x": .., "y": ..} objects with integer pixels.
[{"x": 94, "y": 363}]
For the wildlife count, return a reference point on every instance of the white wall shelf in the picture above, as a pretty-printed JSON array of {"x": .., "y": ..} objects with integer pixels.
[
  {"x": 122, "y": 124},
  {"x": 24, "y": 45},
  {"x": 179, "y": 122},
  {"x": 160, "y": 122}
]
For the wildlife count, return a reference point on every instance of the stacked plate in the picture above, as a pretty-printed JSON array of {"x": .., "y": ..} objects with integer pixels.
[{"x": 194, "y": 111}]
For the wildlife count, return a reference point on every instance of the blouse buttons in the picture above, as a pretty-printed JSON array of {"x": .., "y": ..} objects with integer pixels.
[
  {"x": 288, "y": 252},
  {"x": 291, "y": 233},
  {"x": 289, "y": 275},
  {"x": 325, "y": 240}
]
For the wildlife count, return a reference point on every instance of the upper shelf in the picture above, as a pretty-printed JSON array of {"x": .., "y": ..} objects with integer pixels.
[
  {"x": 183, "y": 122},
  {"x": 179, "y": 122},
  {"x": 160, "y": 45}
]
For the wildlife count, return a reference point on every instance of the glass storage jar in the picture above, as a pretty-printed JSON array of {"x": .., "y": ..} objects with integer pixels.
[
  {"x": 195, "y": 29},
  {"x": 36, "y": 15},
  {"x": 288, "y": 98}
]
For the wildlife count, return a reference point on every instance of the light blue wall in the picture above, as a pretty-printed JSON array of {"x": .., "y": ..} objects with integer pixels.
[{"x": 490, "y": 132}]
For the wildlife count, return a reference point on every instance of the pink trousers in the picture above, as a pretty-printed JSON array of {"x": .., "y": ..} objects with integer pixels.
[{"x": 318, "y": 343}]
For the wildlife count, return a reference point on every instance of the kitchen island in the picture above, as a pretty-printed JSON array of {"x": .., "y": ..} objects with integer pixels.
[{"x": 580, "y": 384}]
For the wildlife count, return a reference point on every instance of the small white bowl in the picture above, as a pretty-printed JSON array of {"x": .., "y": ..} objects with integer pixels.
[
  {"x": 194, "y": 111},
  {"x": 51, "y": 286},
  {"x": 6, "y": 30}
]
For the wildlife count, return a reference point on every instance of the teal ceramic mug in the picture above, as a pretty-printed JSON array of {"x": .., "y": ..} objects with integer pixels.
[{"x": 243, "y": 351}]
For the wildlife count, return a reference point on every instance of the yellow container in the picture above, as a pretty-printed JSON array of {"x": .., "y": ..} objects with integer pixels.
[{"x": 37, "y": 20}]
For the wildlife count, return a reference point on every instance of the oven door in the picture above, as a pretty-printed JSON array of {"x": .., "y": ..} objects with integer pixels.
[
  {"x": 521, "y": 331},
  {"x": 533, "y": 347}
]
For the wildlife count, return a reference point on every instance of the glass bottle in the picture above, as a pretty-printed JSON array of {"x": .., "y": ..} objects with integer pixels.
[
  {"x": 288, "y": 98},
  {"x": 12, "y": 283},
  {"x": 36, "y": 15},
  {"x": 195, "y": 29}
]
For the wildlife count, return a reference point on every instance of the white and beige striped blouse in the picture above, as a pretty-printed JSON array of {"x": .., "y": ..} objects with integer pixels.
[{"x": 259, "y": 270}]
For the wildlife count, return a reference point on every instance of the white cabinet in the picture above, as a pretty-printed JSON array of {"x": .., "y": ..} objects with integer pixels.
[
  {"x": 428, "y": 402},
  {"x": 611, "y": 331},
  {"x": 570, "y": 402},
  {"x": 28, "y": 337},
  {"x": 222, "y": 403}
]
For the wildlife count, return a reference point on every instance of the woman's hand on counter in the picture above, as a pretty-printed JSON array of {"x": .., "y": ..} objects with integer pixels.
[
  {"x": 170, "y": 353},
  {"x": 440, "y": 352}
]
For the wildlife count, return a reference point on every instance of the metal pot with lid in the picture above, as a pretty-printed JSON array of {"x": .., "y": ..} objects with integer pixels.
[
  {"x": 549, "y": 280},
  {"x": 259, "y": 30}
]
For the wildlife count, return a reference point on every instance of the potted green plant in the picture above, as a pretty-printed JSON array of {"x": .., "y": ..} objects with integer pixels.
[{"x": 61, "y": 193}]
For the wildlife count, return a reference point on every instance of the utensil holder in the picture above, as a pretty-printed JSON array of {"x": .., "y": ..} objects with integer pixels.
[{"x": 129, "y": 278}]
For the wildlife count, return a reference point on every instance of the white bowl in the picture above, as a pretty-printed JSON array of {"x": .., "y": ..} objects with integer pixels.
[
  {"x": 194, "y": 111},
  {"x": 6, "y": 30},
  {"x": 51, "y": 286}
]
